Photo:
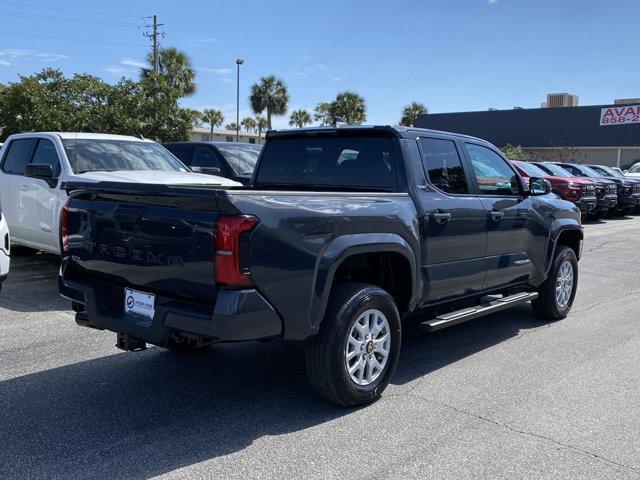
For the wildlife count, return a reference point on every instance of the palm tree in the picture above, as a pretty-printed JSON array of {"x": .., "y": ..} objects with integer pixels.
[
  {"x": 410, "y": 113},
  {"x": 231, "y": 126},
  {"x": 249, "y": 124},
  {"x": 269, "y": 95},
  {"x": 299, "y": 118},
  {"x": 176, "y": 67},
  {"x": 350, "y": 106},
  {"x": 261, "y": 124},
  {"x": 214, "y": 118}
]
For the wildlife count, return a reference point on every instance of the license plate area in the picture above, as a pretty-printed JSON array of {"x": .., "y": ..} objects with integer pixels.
[{"x": 140, "y": 304}]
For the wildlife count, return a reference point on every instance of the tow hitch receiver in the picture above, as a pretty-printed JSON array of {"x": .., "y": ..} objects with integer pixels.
[{"x": 130, "y": 344}]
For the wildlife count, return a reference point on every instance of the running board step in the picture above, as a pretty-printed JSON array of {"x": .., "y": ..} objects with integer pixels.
[{"x": 459, "y": 316}]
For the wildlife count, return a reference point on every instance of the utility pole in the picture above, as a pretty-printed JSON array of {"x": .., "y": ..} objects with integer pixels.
[
  {"x": 239, "y": 62},
  {"x": 154, "y": 38}
]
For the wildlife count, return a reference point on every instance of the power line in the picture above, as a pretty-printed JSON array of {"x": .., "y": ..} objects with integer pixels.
[
  {"x": 73, "y": 39},
  {"x": 65, "y": 19},
  {"x": 20, "y": 4}
]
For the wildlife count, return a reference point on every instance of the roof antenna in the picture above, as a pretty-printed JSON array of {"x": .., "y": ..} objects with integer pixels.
[{"x": 339, "y": 122}]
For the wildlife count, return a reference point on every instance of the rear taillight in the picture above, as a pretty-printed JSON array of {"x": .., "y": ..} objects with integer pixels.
[
  {"x": 229, "y": 252},
  {"x": 64, "y": 227}
]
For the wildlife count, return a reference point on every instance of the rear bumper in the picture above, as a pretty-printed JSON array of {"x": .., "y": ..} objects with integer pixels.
[{"x": 237, "y": 315}]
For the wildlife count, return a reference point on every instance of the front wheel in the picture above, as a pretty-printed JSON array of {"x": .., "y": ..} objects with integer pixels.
[
  {"x": 351, "y": 360},
  {"x": 556, "y": 294}
]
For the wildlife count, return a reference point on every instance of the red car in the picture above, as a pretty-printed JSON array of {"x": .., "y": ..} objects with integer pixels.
[{"x": 580, "y": 191}]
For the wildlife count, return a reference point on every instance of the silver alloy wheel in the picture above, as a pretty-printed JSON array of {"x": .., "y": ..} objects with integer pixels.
[
  {"x": 368, "y": 345},
  {"x": 564, "y": 284}
]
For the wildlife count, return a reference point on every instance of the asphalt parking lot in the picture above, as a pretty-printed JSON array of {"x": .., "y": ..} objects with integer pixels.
[{"x": 506, "y": 396}]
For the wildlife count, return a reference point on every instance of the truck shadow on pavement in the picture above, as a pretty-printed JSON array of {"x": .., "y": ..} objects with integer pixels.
[{"x": 137, "y": 415}]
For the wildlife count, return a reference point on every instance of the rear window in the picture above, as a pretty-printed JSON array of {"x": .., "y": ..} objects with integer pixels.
[{"x": 344, "y": 162}]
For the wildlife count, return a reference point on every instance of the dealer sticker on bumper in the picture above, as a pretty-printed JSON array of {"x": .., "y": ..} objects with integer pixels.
[{"x": 139, "y": 303}]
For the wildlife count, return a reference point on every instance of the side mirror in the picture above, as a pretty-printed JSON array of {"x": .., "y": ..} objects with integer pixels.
[
  {"x": 539, "y": 186},
  {"x": 211, "y": 170},
  {"x": 196, "y": 169},
  {"x": 42, "y": 171}
]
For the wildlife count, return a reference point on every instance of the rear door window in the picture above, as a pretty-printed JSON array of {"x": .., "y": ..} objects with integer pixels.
[
  {"x": 205, "y": 157},
  {"x": 46, "y": 154},
  {"x": 350, "y": 162},
  {"x": 493, "y": 175},
  {"x": 18, "y": 156},
  {"x": 443, "y": 165}
]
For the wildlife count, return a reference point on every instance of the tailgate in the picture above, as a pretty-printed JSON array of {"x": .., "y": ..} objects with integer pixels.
[{"x": 158, "y": 240}]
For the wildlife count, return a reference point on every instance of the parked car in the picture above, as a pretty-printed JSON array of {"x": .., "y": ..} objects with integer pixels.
[
  {"x": 618, "y": 169},
  {"x": 606, "y": 190},
  {"x": 34, "y": 166},
  {"x": 344, "y": 232},
  {"x": 226, "y": 159},
  {"x": 627, "y": 200},
  {"x": 5, "y": 249},
  {"x": 634, "y": 171},
  {"x": 633, "y": 190},
  {"x": 580, "y": 191}
]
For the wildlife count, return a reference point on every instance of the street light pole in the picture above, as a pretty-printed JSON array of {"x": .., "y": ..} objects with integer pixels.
[{"x": 239, "y": 62}]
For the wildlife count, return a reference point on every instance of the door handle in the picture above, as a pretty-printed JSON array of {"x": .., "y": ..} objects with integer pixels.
[
  {"x": 495, "y": 215},
  {"x": 440, "y": 217}
]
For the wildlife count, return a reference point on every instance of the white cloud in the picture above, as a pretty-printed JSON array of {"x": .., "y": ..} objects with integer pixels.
[
  {"x": 20, "y": 54},
  {"x": 128, "y": 62},
  {"x": 492, "y": 2},
  {"x": 223, "y": 72},
  {"x": 6, "y": 63},
  {"x": 201, "y": 41}
]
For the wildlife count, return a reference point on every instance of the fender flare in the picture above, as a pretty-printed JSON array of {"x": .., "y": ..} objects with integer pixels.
[
  {"x": 557, "y": 228},
  {"x": 345, "y": 246}
]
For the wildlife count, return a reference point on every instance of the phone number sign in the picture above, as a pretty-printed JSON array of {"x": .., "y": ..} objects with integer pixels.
[{"x": 620, "y": 115}]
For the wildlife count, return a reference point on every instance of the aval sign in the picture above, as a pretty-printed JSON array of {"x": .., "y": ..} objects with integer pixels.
[{"x": 621, "y": 115}]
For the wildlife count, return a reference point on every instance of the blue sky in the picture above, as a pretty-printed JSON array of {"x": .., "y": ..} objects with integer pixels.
[{"x": 450, "y": 55}]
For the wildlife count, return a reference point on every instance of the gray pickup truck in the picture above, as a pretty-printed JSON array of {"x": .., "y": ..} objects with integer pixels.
[{"x": 343, "y": 233}]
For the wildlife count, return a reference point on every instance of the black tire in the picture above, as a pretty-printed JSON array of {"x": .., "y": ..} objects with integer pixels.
[
  {"x": 326, "y": 354},
  {"x": 546, "y": 305},
  {"x": 626, "y": 211}
]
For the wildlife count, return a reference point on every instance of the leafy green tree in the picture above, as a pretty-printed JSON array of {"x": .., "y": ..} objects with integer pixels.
[
  {"x": 175, "y": 67},
  {"x": 231, "y": 126},
  {"x": 322, "y": 113},
  {"x": 514, "y": 153},
  {"x": 214, "y": 118},
  {"x": 249, "y": 124},
  {"x": 261, "y": 125},
  {"x": 269, "y": 95},
  {"x": 299, "y": 118},
  {"x": 410, "y": 113}
]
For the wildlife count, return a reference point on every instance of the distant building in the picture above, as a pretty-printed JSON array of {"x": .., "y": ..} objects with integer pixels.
[
  {"x": 626, "y": 101},
  {"x": 203, "y": 134},
  {"x": 600, "y": 134},
  {"x": 557, "y": 100}
]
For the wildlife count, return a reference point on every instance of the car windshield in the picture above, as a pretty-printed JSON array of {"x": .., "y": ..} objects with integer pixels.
[
  {"x": 241, "y": 158},
  {"x": 93, "y": 155},
  {"x": 635, "y": 168},
  {"x": 604, "y": 171},
  {"x": 558, "y": 170},
  {"x": 590, "y": 172},
  {"x": 532, "y": 170}
]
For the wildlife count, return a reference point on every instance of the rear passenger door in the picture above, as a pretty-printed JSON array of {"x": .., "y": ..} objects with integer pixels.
[
  {"x": 454, "y": 222},
  {"x": 16, "y": 157},
  {"x": 508, "y": 219}
]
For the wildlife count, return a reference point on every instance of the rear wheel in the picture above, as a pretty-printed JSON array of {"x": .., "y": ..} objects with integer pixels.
[
  {"x": 556, "y": 294},
  {"x": 356, "y": 351}
]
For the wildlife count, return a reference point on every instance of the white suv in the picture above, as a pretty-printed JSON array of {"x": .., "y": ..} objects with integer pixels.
[
  {"x": 34, "y": 167},
  {"x": 4, "y": 249}
]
